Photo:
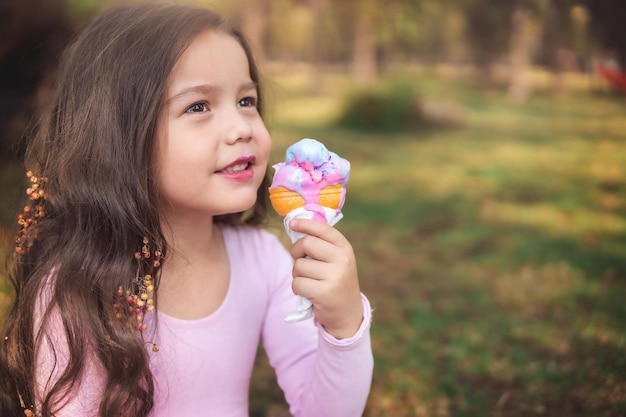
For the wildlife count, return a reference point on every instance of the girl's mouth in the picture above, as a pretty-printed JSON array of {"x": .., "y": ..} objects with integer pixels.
[
  {"x": 240, "y": 168},
  {"x": 235, "y": 168}
]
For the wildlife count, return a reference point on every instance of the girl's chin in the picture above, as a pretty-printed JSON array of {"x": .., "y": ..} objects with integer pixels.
[{"x": 239, "y": 208}]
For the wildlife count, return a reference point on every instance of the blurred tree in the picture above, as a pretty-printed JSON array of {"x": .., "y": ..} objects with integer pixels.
[
  {"x": 32, "y": 35},
  {"x": 608, "y": 18},
  {"x": 362, "y": 18},
  {"x": 563, "y": 39},
  {"x": 422, "y": 31},
  {"x": 319, "y": 9},
  {"x": 414, "y": 30},
  {"x": 488, "y": 32},
  {"x": 290, "y": 31},
  {"x": 496, "y": 28},
  {"x": 364, "y": 47},
  {"x": 321, "y": 31},
  {"x": 519, "y": 86},
  {"x": 333, "y": 30}
]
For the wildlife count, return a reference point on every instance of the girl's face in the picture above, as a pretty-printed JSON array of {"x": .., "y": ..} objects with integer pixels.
[{"x": 213, "y": 146}]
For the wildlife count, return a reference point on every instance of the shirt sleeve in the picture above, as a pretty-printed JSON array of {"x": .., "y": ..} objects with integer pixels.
[{"x": 319, "y": 374}]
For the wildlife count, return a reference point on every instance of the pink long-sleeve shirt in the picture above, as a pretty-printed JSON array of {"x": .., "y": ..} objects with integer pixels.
[{"x": 203, "y": 367}]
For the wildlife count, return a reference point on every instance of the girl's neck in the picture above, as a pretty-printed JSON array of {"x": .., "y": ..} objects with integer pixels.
[
  {"x": 187, "y": 234},
  {"x": 191, "y": 239},
  {"x": 196, "y": 270}
]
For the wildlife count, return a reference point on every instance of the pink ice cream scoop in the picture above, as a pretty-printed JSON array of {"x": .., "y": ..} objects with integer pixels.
[{"x": 311, "y": 177}]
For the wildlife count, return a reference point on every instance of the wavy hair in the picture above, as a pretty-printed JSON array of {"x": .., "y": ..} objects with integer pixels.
[{"x": 96, "y": 148}]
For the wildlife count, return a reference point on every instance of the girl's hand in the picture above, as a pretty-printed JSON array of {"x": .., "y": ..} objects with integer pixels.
[{"x": 325, "y": 272}]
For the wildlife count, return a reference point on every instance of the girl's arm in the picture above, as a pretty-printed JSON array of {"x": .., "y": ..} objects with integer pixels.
[{"x": 319, "y": 373}]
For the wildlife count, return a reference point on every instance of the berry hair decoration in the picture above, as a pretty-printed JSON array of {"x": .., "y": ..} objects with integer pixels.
[
  {"x": 137, "y": 299},
  {"x": 33, "y": 212}
]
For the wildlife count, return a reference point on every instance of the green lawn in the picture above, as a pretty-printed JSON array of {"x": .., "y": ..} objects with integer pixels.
[{"x": 494, "y": 254}]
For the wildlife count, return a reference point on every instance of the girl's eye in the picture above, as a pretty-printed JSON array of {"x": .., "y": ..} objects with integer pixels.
[
  {"x": 197, "y": 108},
  {"x": 247, "y": 102}
]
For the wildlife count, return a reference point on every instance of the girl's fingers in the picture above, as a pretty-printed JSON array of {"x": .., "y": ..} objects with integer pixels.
[
  {"x": 306, "y": 287},
  {"x": 323, "y": 242},
  {"x": 311, "y": 268},
  {"x": 318, "y": 229},
  {"x": 338, "y": 275},
  {"x": 313, "y": 247}
]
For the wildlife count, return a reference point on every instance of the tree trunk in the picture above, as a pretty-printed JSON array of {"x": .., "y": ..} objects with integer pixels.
[
  {"x": 519, "y": 87},
  {"x": 364, "y": 52},
  {"x": 318, "y": 8}
]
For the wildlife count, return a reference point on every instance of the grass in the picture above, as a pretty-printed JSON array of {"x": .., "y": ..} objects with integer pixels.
[{"x": 493, "y": 253}]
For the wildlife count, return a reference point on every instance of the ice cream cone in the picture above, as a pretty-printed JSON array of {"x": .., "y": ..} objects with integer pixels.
[
  {"x": 331, "y": 196},
  {"x": 309, "y": 184},
  {"x": 285, "y": 201}
]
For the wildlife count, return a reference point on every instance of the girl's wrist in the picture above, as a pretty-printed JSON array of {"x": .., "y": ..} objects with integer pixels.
[{"x": 351, "y": 324}]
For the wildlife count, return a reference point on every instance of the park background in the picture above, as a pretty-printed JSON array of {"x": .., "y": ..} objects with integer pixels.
[{"x": 487, "y": 198}]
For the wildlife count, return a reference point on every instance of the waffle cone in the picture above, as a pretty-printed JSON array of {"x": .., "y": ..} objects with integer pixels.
[
  {"x": 284, "y": 200},
  {"x": 331, "y": 196}
]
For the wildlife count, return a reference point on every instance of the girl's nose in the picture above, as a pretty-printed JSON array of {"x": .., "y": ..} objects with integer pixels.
[{"x": 238, "y": 128}]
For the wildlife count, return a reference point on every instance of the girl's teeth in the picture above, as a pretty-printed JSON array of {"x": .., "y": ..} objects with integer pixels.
[{"x": 235, "y": 168}]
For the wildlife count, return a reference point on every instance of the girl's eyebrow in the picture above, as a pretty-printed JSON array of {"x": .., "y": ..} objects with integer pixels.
[
  {"x": 208, "y": 89},
  {"x": 251, "y": 85},
  {"x": 194, "y": 89}
]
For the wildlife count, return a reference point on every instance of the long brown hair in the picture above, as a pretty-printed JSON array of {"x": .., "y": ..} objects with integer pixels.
[{"x": 95, "y": 149}]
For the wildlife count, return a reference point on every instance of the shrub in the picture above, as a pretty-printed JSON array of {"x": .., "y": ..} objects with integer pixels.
[{"x": 393, "y": 107}]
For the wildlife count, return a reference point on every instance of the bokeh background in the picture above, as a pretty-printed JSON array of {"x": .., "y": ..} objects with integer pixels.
[{"x": 487, "y": 198}]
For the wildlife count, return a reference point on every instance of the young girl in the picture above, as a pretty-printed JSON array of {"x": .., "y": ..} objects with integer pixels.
[{"x": 143, "y": 282}]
